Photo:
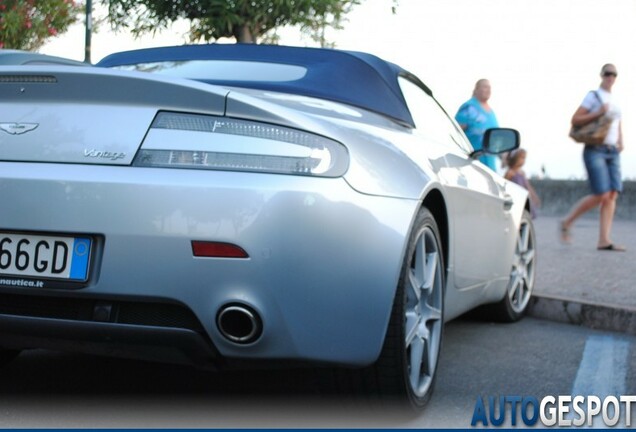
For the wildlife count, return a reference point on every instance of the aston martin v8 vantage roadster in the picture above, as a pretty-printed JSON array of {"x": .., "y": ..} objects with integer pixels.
[{"x": 223, "y": 205}]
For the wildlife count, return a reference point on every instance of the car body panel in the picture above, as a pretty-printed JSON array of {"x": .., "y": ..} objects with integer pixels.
[{"x": 20, "y": 57}]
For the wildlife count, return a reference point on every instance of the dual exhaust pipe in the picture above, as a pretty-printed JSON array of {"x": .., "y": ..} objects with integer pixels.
[{"x": 239, "y": 324}]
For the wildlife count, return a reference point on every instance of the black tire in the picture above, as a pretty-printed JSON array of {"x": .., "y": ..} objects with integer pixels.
[
  {"x": 414, "y": 335},
  {"x": 6, "y": 356},
  {"x": 522, "y": 275}
]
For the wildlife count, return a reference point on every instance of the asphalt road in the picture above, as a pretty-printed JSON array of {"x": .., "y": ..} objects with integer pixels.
[{"x": 479, "y": 359}]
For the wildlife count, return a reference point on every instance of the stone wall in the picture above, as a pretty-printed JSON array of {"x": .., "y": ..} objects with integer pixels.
[{"x": 558, "y": 196}]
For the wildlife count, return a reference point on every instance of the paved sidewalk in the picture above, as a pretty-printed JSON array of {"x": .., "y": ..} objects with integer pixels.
[{"x": 576, "y": 283}]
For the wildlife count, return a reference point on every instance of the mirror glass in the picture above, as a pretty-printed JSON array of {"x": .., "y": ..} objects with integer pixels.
[{"x": 500, "y": 140}]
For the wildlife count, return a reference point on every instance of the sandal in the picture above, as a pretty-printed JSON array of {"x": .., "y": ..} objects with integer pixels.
[
  {"x": 612, "y": 247},
  {"x": 566, "y": 236}
]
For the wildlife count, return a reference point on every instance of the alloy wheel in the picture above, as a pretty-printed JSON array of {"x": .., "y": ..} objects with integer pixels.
[
  {"x": 523, "y": 269},
  {"x": 423, "y": 311}
]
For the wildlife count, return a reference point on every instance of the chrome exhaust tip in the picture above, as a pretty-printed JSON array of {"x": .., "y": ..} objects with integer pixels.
[{"x": 239, "y": 324}]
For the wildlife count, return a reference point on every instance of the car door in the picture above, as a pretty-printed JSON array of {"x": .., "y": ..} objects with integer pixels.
[
  {"x": 481, "y": 220},
  {"x": 478, "y": 206}
]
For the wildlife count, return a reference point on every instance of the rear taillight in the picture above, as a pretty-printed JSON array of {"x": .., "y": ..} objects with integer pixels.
[{"x": 193, "y": 141}]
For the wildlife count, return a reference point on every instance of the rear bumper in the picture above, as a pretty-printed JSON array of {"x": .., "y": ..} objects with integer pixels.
[
  {"x": 324, "y": 260},
  {"x": 171, "y": 345}
]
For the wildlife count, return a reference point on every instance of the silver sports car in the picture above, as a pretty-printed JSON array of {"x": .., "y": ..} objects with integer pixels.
[{"x": 238, "y": 205}]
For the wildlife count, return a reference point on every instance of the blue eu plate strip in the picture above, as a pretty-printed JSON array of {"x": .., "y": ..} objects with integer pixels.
[{"x": 81, "y": 253}]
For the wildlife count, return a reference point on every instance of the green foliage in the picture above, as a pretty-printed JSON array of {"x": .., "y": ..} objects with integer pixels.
[
  {"x": 245, "y": 20},
  {"x": 26, "y": 24}
]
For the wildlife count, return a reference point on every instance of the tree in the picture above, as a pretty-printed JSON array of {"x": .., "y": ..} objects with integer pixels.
[
  {"x": 26, "y": 24},
  {"x": 247, "y": 21}
]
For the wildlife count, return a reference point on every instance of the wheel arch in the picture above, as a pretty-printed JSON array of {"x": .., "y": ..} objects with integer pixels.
[
  {"x": 436, "y": 204},
  {"x": 527, "y": 205}
]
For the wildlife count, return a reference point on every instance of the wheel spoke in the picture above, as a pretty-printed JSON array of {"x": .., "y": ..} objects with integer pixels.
[
  {"x": 430, "y": 359},
  {"x": 431, "y": 271},
  {"x": 528, "y": 278},
  {"x": 412, "y": 323},
  {"x": 418, "y": 274},
  {"x": 528, "y": 256},
  {"x": 414, "y": 288},
  {"x": 431, "y": 313},
  {"x": 415, "y": 361},
  {"x": 515, "y": 288},
  {"x": 524, "y": 238}
]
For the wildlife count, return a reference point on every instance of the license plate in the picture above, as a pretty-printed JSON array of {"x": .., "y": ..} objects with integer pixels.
[{"x": 51, "y": 257}]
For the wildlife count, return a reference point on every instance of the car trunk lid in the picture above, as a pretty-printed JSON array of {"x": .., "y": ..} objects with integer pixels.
[{"x": 67, "y": 114}]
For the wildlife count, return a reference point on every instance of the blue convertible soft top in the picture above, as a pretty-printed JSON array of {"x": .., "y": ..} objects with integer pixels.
[{"x": 354, "y": 78}]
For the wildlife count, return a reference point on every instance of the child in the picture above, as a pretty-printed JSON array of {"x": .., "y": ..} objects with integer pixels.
[{"x": 515, "y": 161}]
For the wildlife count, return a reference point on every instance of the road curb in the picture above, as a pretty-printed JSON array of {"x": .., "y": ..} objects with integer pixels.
[{"x": 596, "y": 316}]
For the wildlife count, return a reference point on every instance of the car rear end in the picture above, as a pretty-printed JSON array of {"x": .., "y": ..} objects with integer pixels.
[{"x": 140, "y": 218}]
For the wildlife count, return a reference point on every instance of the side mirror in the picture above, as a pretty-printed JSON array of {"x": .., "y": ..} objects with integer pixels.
[
  {"x": 500, "y": 140},
  {"x": 497, "y": 141}
]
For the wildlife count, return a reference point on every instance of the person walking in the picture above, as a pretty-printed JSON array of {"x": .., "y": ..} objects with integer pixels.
[
  {"x": 475, "y": 116},
  {"x": 602, "y": 162}
]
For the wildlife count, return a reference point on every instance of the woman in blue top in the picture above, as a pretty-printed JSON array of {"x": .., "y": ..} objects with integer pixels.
[{"x": 475, "y": 116}]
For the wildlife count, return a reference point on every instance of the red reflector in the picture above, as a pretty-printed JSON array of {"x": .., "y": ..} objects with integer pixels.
[{"x": 217, "y": 250}]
